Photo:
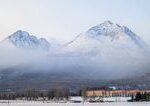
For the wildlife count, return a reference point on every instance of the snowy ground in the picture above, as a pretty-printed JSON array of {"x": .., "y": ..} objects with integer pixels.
[
  {"x": 76, "y": 104},
  {"x": 117, "y": 101},
  {"x": 106, "y": 99}
]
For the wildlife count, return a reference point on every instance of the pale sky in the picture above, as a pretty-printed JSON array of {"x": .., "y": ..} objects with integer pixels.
[{"x": 64, "y": 19}]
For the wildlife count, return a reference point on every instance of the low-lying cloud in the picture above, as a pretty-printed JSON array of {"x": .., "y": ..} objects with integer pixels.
[{"x": 115, "y": 66}]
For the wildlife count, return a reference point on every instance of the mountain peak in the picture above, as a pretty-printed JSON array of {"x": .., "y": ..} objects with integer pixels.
[
  {"x": 20, "y": 33},
  {"x": 106, "y": 28},
  {"x": 22, "y": 39},
  {"x": 113, "y": 32},
  {"x": 107, "y": 22}
]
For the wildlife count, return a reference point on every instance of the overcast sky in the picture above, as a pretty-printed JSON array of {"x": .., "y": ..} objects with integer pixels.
[{"x": 64, "y": 19}]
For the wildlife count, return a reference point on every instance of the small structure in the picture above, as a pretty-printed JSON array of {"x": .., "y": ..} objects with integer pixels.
[{"x": 114, "y": 93}]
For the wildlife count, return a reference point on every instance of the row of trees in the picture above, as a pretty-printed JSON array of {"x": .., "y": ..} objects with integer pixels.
[
  {"x": 32, "y": 94},
  {"x": 142, "y": 97}
]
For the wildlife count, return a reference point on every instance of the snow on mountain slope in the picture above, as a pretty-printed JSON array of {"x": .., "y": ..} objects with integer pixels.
[
  {"x": 115, "y": 32},
  {"x": 106, "y": 37},
  {"x": 24, "y": 40},
  {"x": 109, "y": 48}
]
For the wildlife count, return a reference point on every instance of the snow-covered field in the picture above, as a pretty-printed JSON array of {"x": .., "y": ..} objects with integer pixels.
[
  {"x": 117, "y": 101},
  {"x": 76, "y": 104}
]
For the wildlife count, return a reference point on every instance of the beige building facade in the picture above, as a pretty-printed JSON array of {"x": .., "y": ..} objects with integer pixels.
[{"x": 114, "y": 93}]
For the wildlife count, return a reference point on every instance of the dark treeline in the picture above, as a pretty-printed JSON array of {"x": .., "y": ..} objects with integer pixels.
[
  {"x": 142, "y": 97},
  {"x": 33, "y": 94}
]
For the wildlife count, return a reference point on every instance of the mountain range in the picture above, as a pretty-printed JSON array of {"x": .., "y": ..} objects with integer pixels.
[{"x": 107, "y": 51}]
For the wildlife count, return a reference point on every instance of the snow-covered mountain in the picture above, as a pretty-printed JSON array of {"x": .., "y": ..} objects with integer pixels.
[
  {"x": 23, "y": 40},
  {"x": 106, "y": 37},
  {"x": 109, "y": 48},
  {"x": 107, "y": 51},
  {"x": 115, "y": 32}
]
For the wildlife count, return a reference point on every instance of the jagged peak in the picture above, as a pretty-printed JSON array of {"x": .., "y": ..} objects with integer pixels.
[
  {"x": 20, "y": 33},
  {"x": 114, "y": 32},
  {"x": 109, "y": 28},
  {"x": 23, "y": 39},
  {"x": 108, "y": 22}
]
